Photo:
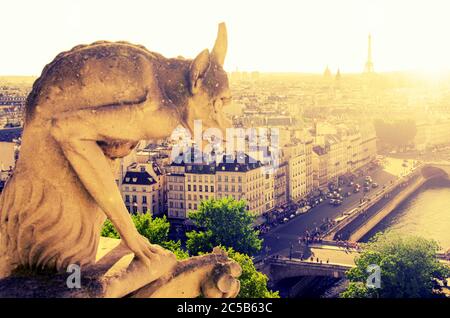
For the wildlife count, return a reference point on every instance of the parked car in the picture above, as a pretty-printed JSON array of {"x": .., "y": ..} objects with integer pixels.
[
  {"x": 366, "y": 189},
  {"x": 368, "y": 179},
  {"x": 374, "y": 185},
  {"x": 356, "y": 189},
  {"x": 285, "y": 220}
]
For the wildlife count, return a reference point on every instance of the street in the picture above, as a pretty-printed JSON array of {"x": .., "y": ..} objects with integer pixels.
[{"x": 280, "y": 239}]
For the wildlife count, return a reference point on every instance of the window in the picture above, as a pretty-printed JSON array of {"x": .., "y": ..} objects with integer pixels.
[
  {"x": 189, "y": 197},
  {"x": 135, "y": 209},
  {"x": 189, "y": 187},
  {"x": 195, "y": 206},
  {"x": 134, "y": 198},
  {"x": 190, "y": 206},
  {"x": 127, "y": 198},
  {"x": 195, "y": 187},
  {"x": 206, "y": 188},
  {"x": 200, "y": 188},
  {"x": 219, "y": 178},
  {"x": 212, "y": 188},
  {"x": 144, "y": 199}
]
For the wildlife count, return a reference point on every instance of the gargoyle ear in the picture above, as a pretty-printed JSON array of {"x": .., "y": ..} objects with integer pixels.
[
  {"x": 197, "y": 70},
  {"x": 220, "y": 47}
]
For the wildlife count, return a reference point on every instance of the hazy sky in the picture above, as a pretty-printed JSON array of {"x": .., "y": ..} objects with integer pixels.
[{"x": 275, "y": 35}]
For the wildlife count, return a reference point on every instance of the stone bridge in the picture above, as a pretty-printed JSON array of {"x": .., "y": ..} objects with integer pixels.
[
  {"x": 334, "y": 261},
  {"x": 283, "y": 267},
  {"x": 432, "y": 169}
]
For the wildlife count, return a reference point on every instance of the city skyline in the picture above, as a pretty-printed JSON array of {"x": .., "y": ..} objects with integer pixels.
[{"x": 291, "y": 36}]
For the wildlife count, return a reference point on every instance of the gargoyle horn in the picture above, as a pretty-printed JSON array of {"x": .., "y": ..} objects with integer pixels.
[{"x": 220, "y": 47}]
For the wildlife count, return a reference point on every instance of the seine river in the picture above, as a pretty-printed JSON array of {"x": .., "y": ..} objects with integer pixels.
[{"x": 426, "y": 213}]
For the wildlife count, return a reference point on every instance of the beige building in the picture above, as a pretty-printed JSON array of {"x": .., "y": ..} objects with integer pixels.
[
  {"x": 280, "y": 185},
  {"x": 295, "y": 155},
  {"x": 9, "y": 141},
  {"x": 320, "y": 167},
  {"x": 176, "y": 201},
  {"x": 199, "y": 184},
  {"x": 240, "y": 178},
  {"x": 189, "y": 184},
  {"x": 141, "y": 191}
]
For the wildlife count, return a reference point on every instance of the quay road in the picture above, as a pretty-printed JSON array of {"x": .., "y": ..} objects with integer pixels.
[{"x": 278, "y": 240}]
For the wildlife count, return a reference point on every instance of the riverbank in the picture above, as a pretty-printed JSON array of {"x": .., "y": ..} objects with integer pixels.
[
  {"x": 367, "y": 226},
  {"x": 425, "y": 213}
]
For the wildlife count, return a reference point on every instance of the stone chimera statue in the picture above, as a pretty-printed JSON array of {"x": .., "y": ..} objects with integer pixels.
[{"x": 90, "y": 106}]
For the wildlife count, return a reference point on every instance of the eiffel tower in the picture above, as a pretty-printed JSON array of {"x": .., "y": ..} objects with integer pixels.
[{"x": 369, "y": 64}]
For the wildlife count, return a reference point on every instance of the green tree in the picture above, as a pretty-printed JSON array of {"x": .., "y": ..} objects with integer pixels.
[
  {"x": 156, "y": 230},
  {"x": 226, "y": 222},
  {"x": 409, "y": 268},
  {"x": 253, "y": 283},
  {"x": 198, "y": 242}
]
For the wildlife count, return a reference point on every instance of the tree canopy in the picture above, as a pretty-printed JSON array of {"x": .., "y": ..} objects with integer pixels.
[
  {"x": 253, "y": 283},
  {"x": 225, "y": 222},
  {"x": 156, "y": 230},
  {"x": 409, "y": 268}
]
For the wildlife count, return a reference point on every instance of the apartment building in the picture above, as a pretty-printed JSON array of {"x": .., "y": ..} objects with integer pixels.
[
  {"x": 200, "y": 184},
  {"x": 176, "y": 200},
  {"x": 280, "y": 185},
  {"x": 238, "y": 176},
  {"x": 320, "y": 167},
  {"x": 295, "y": 156},
  {"x": 141, "y": 191}
]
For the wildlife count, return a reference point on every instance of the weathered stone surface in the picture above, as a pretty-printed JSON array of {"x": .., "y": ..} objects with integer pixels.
[
  {"x": 211, "y": 275},
  {"x": 90, "y": 106}
]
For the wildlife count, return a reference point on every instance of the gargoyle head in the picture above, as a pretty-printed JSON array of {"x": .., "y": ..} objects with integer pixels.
[{"x": 208, "y": 85}]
